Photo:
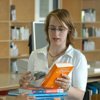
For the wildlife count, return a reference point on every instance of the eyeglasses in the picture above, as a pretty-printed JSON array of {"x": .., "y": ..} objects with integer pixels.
[{"x": 54, "y": 29}]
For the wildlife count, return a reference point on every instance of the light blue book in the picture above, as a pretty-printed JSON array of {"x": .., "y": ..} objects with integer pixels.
[
  {"x": 48, "y": 95},
  {"x": 16, "y": 93},
  {"x": 50, "y": 98}
]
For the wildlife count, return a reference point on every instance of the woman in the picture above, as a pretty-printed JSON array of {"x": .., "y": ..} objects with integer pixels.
[{"x": 59, "y": 31}]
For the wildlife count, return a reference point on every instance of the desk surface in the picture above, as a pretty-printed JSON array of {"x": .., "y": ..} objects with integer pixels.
[
  {"x": 8, "y": 81},
  {"x": 11, "y": 81},
  {"x": 92, "y": 76}
]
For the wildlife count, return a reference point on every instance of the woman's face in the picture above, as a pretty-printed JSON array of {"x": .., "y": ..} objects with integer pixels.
[{"x": 57, "y": 32}]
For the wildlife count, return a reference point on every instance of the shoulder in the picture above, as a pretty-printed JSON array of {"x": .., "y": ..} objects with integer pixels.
[
  {"x": 79, "y": 57},
  {"x": 39, "y": 51},
  {"x": 78, "y": 54},
  {"x": 74, "y": 53}
]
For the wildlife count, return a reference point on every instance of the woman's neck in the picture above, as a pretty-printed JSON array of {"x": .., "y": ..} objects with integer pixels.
[{"x": 56, "y": 51}]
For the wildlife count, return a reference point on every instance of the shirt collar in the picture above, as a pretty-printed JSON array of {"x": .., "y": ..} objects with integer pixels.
[
  {"x": 68, "y": 52},
  {"x": 43, "y": 50}
]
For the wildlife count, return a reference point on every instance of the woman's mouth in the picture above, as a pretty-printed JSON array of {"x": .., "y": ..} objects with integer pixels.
[{"x": 55, "y": 39}]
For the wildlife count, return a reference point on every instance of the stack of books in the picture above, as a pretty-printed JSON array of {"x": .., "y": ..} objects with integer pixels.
[
  {"x": 40, "y": 93},
  {"x": 48, "y": 90}
]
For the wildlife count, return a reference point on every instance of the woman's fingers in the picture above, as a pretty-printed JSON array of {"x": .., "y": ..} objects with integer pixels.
[
  {"x": 63, "y": 82},
  {"x": 24, "y": 96},
  {"x": 28, "y": 97},
  {"x": 65, "y": 76},
  {"x": 26, "y": 76},
  {"x": 25, "y": 79}
]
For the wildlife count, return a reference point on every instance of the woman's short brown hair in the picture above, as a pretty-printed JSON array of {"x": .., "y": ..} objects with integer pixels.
[{"x": 62, "y": 15}]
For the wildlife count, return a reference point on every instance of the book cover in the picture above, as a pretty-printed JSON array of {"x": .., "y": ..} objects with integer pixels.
[{"x": 56, "y": 71}]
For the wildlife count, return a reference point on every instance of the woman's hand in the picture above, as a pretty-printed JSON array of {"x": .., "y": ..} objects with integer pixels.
[
  {"x": 26, "y": 79},
  {"x": 63, "y": 82}
]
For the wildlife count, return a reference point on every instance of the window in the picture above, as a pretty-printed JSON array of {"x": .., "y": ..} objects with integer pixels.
[
  {"x": 42, "y": 8},
  {"x": 39, "y": 37}
]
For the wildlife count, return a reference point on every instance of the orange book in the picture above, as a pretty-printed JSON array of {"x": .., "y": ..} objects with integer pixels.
[{"x": 56, "y": 71}]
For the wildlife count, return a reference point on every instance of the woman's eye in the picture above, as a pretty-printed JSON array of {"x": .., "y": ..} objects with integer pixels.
[
  {"x": 61, "y": 29},
  {"x": 53, "y": 29}
]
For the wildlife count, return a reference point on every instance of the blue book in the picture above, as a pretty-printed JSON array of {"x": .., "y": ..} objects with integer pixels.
[
  {"x": 16, "y": 93},
  {"x": 50, "y": 98},
  {"x": 97, "y": 85},
  {"x": 53, "y": 96},
  {"x": 39, "y": 95},
  {"x": 48, "y": 95},
  {"x": 93, "y": 88}
]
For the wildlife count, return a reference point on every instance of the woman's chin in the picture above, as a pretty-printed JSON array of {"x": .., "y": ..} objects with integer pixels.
[{"x": 57, "y": 44}]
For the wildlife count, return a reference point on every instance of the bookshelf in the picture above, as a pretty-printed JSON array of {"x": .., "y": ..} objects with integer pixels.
[
  {"x": 86, "y": 17},
  {"x": 77, "y": 9},
  {"x": 87, "y": 26},
  {"x": 16, "y": 19}
]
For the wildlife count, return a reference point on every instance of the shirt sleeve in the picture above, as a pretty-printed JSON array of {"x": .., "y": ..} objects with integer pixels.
[
  {"x": 80, "y": 72},
  {"x": 31, "y": 62}
]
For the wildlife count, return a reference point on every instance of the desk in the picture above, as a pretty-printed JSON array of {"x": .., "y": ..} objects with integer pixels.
[
  {"x": 8, "y": 82},
  {"x": 95, "y": 97},
  {"x": 93, "y": 76}
]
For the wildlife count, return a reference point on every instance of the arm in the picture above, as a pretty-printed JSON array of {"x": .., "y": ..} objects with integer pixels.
[
  {"x": 75, "y": 93},
  {"x": 79, "y": 80},
  {"x": 27, "y": 76}
]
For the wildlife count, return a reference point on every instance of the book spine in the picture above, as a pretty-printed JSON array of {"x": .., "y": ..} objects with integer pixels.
[
  {"x": 39, "y": 91},
  {"x": 50, "y": 98},
  {"x": 48, "y": 95},
  {"x": 39, "y": 94},
  {"x": 48, "y": 91}
]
